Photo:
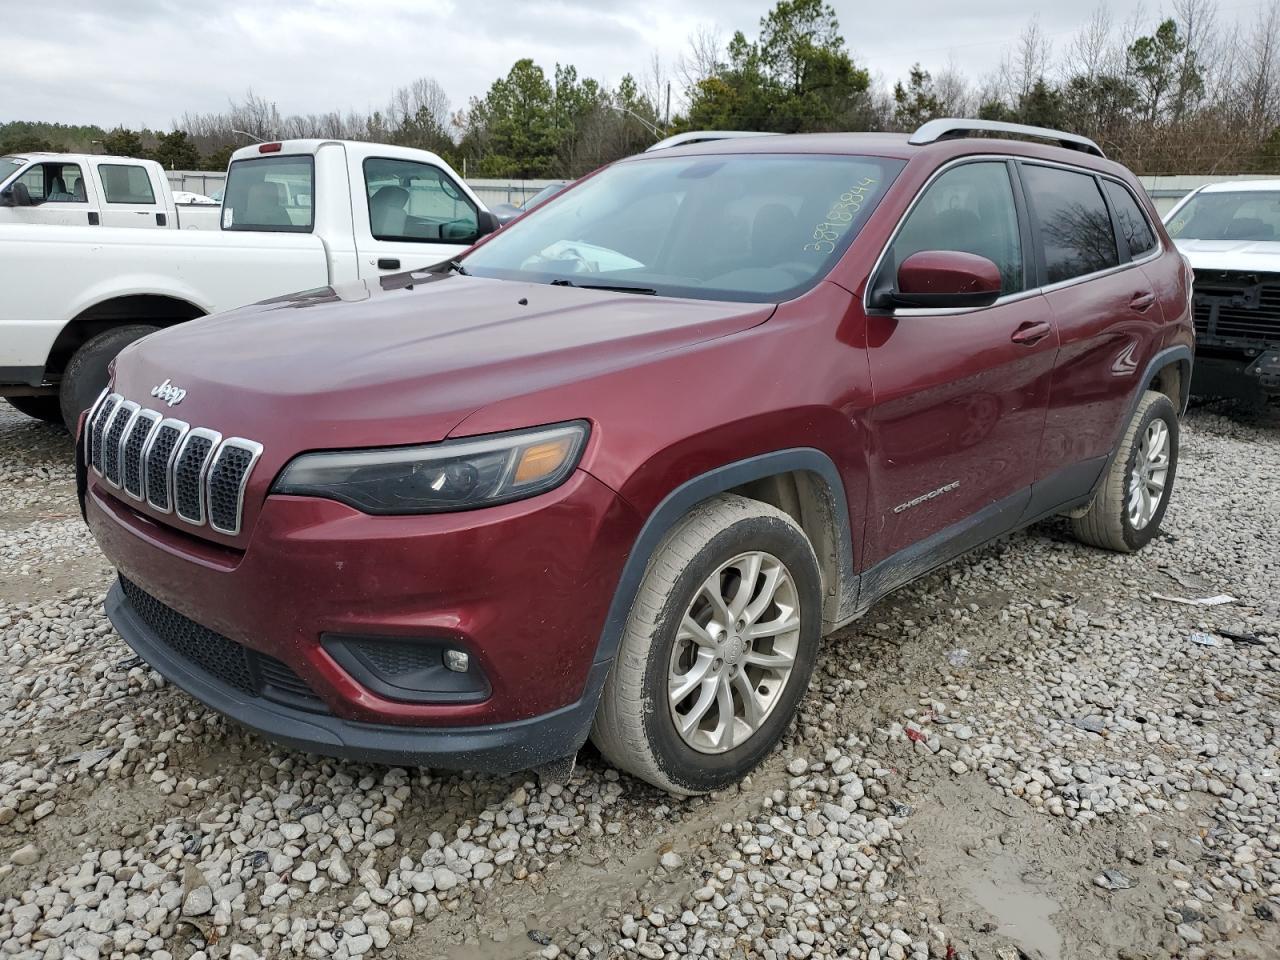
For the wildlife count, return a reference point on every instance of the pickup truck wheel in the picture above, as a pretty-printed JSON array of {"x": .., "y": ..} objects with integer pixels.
[
  {"x": 86, "y": 372},
  {"x": 42, "y": 408},
  {"x": 1126, "y": 513},
  {"x": 717, "y": 650}
]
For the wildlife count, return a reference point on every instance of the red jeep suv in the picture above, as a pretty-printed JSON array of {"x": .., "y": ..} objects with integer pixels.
[{"x": 616, "y": 471}]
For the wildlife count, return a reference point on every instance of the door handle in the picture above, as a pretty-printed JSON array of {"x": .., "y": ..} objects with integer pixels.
[
  {"x": 388, "y": 263},
  {"x": 1033, "y": 331},
  {"x": 1141, "y": 301}
]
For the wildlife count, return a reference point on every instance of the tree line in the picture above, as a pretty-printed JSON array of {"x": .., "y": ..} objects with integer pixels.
[{"x": 1185, "y": 93}]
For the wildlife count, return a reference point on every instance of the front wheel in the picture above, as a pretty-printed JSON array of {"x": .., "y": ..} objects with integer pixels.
[
  {"x": 717, "y": 651},
  {"x": 1127, "y": 511},
  {"x": 86, "y": 373}
]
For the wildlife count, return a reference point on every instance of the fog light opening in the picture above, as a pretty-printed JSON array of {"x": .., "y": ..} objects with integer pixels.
[{"x": 457, "y": 661}]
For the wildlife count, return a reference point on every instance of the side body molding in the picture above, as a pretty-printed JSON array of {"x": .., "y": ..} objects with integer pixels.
[{"x": 678, "y": 502}]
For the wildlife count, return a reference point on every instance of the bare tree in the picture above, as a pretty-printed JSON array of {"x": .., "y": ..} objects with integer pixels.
[
  {"x": 1091, "y": 52},
  {"x": 1027, "y": 62},
  {"x": 1260, "y": 72},
  {"x": 702, "y": 59}
]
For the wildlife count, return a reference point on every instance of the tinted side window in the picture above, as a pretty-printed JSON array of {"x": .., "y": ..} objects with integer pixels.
[
  {"x": 125, "y": 183},
  {"x": 1075, "y": 226},
  {"x": 1133, "y": 223},
  {"x": 415, "y": 201},
  {"x": 969, "y": 208}
]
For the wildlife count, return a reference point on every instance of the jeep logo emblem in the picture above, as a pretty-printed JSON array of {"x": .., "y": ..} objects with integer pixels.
[{"x": 168, "y": 393}]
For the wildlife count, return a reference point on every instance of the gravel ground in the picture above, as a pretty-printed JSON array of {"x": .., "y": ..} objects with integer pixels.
[{"x": 1025, "y": 755}]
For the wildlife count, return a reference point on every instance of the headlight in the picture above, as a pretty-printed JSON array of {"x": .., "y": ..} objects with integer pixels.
[{"x": 439, "y": 477}]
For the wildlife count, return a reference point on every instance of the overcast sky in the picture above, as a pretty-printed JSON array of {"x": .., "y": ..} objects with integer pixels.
[{"x": 143, "y": 62}]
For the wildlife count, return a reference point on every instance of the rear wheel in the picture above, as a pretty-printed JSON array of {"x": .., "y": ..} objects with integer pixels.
[
  {"x": 86, "y": 372},
  {"x": 1127, "y": 511},
  {"x": 717, "y": 651},
  {"x": 42, "y": 408}
]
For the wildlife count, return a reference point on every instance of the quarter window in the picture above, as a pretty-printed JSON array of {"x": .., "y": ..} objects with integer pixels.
[
  {"x": 54, "y": 183},
  {"x": 1075, "y": 227},
  {"x": 969, "y": 208},
  {"x": 125, "y": 183},
  {"x": 1134, "y": 226},
  {"x": 417, "y": 202}
]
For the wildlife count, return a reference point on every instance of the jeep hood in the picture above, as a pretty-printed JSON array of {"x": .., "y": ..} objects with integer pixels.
[
  {"x": 1247, "y": 255},
  {"x": 405, "y": 359}
]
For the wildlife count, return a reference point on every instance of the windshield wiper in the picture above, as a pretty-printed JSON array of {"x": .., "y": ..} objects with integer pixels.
[
  {"x": 456, "y": 266},
  {"x": 615, "y": 287}
]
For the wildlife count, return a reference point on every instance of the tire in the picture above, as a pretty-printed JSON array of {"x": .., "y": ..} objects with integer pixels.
[
  {"x": 86, "y": 372},
  {"x": 1109, "y": 522},
  {"x": 47, "y": 409},
  {"x": 635, "y": 725}
]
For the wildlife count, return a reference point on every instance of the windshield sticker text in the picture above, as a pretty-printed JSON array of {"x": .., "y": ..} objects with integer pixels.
[{"x": 840, "y": 216}]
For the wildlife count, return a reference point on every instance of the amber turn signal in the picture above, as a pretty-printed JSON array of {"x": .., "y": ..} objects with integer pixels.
[{"x": 542, "y": 459}]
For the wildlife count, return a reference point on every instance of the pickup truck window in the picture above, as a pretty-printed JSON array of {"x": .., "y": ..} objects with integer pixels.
[
  {"x": 54, "y": 183},
  {"x": 417, "y": 202},
  {"x": 125, "y": 183},
  {"x": 271, "y": 194},
  {"x": 743, "y": 227},
  {"x": 1229, "y": 215},
  {"x": 7, "y": 166}
]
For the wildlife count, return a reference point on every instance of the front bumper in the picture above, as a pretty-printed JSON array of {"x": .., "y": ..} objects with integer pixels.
[
  {"x": 493, "y": 748},
  {"x": 1241, "y": 377},
  {"x": 524, "y": 588}
]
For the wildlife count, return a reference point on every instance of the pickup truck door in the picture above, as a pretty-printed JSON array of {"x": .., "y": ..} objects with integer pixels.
[
  {"x": 129, "y": 196},
  {"x": 959, "y": 395},
  {"x": 59, "y": 194},
  {"x": 408, "y": 214}
]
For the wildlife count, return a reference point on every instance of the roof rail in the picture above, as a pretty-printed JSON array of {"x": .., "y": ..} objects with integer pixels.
[
  {"x": 950, "y": 128},
  {"x": 703, "y": 136}
]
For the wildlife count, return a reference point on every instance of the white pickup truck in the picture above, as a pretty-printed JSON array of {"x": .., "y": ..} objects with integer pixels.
[
  {"x": 1230, "y": 235},
  {"x": 77, "y": 189},
  {"x": 298, "y": 215}
]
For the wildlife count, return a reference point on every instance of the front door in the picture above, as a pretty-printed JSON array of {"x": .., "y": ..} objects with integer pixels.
[
  {"x": 57, "y": 195},
  {"x": 414, "y": 215},
  {"x": 959, "y": 395}
]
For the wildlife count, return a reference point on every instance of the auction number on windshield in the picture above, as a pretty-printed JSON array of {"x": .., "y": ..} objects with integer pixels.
[{"x": 840, "y": 216}]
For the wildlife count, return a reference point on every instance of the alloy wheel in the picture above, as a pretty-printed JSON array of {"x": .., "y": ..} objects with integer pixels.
[
  {"x": 734, "y": 652},
  {"x": 1150, "y": 473}
]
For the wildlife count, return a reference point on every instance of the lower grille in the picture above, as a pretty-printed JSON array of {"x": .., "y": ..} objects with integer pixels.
[
  {"x": 247, "y": 671},
  {"x": 393, "y": 659}
]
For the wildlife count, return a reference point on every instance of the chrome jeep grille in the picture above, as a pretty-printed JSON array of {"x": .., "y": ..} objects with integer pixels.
[{"x": 191, "y": 472}]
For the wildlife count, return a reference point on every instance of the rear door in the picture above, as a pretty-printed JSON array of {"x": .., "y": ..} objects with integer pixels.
[
  {"x": 128, "y": 195},
  {"x": 408, "y": 214},
  {"x": 1106, "y": 310},
  {"x": 959, "y": 395}
]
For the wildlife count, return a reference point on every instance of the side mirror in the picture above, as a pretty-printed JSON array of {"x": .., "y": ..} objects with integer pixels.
[
  {"x": 486, "y": 223},
  {"x": 942, "y": 279},
  {"x": 6, "y": 197}
]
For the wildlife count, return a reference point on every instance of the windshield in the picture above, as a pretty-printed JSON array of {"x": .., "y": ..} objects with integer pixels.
[
  {"x": 271, "y": 194},
  {"x": 8, "y": 165},
  {"x": 1229, "y": 215},
  {"x": 754, "y": 227}
]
